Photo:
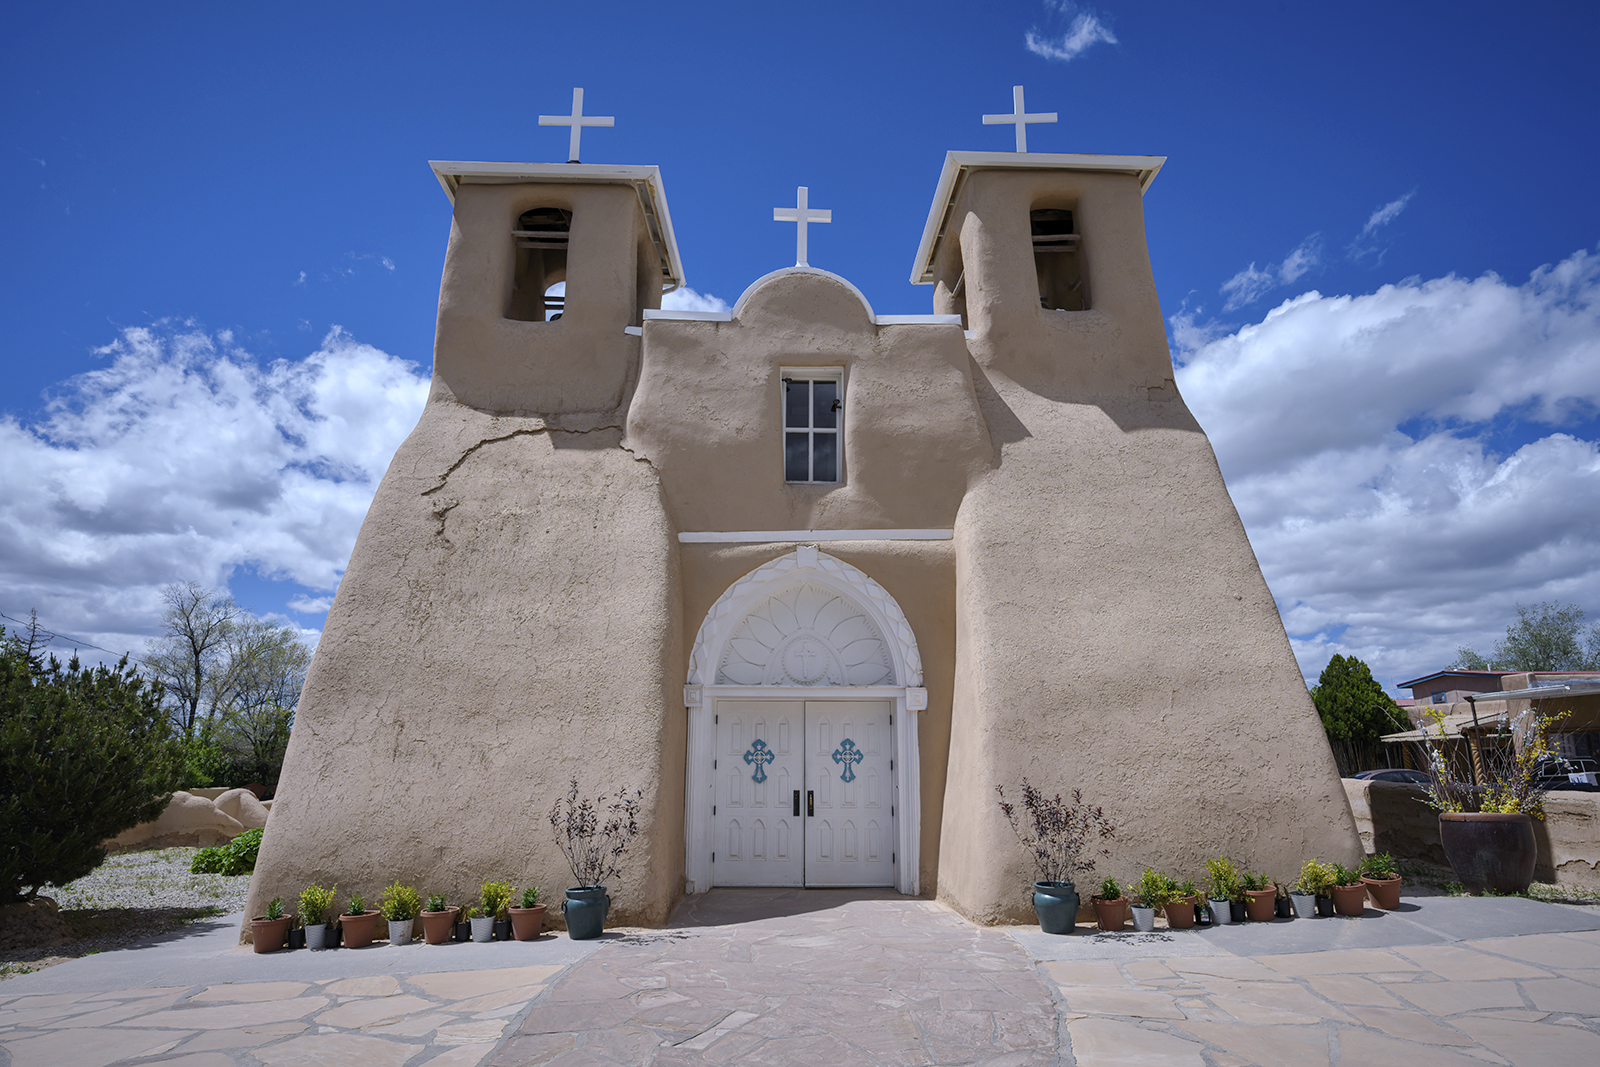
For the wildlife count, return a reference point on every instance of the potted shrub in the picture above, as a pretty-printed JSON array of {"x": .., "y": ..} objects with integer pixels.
[
  {"x": 316, "y": 911},
  {"x": 594, "y": 848},
  {"x": 1281, "y": 905},
  {"x": 493, "y": 896},
  {"x": 1316, "y": 879},
  {"x": 358, "y": 923},
  {"x": 268, "y": 932},
  {"x": 1223, "y": 888},
  {"x": 1184, "y": 908},
  {"x": 400, "y": 906},
  {"x": 438, "y": 920},
  {"x": 1382, "y": 880},
  {"x": 1486, "y": 830},
  {"x": 1155, "y": 891},
  {"x": 1260, "y": 897},
  {"x": 1110, "y": 906},
  {"x": 464, "y": 917},
  {"x": 1349, "y": 895},
  {"x": 527, "y": 922},
  {"x": 1063, "y": 838}
]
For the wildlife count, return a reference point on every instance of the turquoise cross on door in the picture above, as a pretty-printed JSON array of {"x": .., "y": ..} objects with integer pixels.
[
  {"x": 848, "y": 754},
  {"x": 759, "y": 755}
]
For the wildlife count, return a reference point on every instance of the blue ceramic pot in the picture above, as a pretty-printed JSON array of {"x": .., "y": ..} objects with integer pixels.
[
  {"x": 1057, "y": 906},
  {"x": 585, "y": 909}
]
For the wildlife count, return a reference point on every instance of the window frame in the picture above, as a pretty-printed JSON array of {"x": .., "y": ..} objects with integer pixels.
[{"x": 810, "y": 376}]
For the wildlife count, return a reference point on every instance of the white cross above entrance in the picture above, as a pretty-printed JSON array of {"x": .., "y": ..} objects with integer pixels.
[
  {"x": 801, "y": 214},
  {"x": 577, "y": 120},
  {"x": 1019, "y": 118}
]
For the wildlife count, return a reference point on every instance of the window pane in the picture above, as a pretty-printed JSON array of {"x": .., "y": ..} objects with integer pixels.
[
  {"x": 796, "y": 398},
  {"x": 826, "y": 463},
  {"x": 794, "y": 458},
  {"x": 823, "y": 395}
]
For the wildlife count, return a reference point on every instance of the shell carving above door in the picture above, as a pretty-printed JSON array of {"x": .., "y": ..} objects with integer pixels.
[{"x": 806, "y": 635}]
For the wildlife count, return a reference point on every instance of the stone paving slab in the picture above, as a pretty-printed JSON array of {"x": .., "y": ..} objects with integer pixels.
[{"x": 847, "y": 977}]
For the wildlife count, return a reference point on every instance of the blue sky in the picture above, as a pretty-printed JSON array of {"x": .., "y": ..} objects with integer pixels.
[{"x": 225, "y": 245}]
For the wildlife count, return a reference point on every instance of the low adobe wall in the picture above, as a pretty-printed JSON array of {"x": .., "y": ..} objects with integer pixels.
[
  {"x": 1391, "y": 817},
  {"x": 194, "y": 820}
]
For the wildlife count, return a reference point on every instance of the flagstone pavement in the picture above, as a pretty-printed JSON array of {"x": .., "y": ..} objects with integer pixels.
[{"x": 843, "y": 978}]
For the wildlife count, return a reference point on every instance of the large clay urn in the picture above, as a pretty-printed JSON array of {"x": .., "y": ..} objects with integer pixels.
[{"x": 1489, "y": 850}]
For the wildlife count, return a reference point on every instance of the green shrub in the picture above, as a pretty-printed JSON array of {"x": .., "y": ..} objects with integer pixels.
[
  {"x": 400, "y": 902},
  {"x": 358, "y": 906},
  {"x": 1225, "y": 882},
  {"x": 496, "y": 896},
  {"x": 1316, "y": 878},
  {"x": 236, "y": 857},
  {"x": 436, "y": 902},
  {"x": 1379, "y": 866},
  {"x": 530, "y": 897},
  {"x": 85, "y": 753},
  {"x": 1155, "y": 889},
  {"x": 315, "y": 903},
  {"x": 1110, "y": 890}
]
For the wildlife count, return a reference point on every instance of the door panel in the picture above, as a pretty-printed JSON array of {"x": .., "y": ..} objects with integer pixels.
[
  {"x": 756, "y": 837},
  {"x": 847, "y": 767},
  {"x": 834, "y": 752}
]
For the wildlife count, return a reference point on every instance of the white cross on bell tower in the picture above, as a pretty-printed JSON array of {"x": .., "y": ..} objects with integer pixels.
[
  {"x": 801, "y": 214},
  {"x": 1019, "y": 118},
  {"x": 577, "y": 120}
]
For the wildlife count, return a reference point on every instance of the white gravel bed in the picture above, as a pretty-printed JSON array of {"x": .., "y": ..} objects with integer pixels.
[
  {"x": 130, "y": 898},
  {"x": 156, "y": 879}
]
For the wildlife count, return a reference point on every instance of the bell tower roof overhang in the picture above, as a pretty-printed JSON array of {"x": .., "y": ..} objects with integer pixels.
[
  {"x": 957, "y": 165},
  {"x": 645, "y": 180}
]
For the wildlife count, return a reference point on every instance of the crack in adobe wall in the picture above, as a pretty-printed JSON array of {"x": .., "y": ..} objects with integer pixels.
[{"x": 444, "y": 478}]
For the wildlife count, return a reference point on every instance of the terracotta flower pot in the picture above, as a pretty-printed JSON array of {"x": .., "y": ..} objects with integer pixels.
[
  {"x": 268, "y": 935},
  {"x": 437, "y": 926},
  {"x": 358, "y": 929},
  {"x": 1489, "y": 850},
  {"x": 1180, "y": 913},
  {"x": 527, "y": 923},
  {"x": 1111, "y": 914},
  {"x": 1385, "y": 892},
  {"x": 1350, "y": 899},
  {"x": 1260, "y": 904}
]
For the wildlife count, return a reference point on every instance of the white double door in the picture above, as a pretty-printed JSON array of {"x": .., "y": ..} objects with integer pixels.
[{"x": 804, "y": 793}]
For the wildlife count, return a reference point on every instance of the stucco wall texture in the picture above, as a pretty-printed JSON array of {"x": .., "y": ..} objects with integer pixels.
[{"x": 518, "y": 608}]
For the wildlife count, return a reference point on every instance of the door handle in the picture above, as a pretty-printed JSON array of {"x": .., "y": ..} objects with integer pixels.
[
  {"x": 797, "y": 803},
  {"x": 811, "y": 802}
]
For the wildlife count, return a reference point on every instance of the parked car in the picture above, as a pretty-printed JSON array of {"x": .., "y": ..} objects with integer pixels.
[
  {"x": 1558, "y": 774},
  {"x": 1407, "y": 775}
]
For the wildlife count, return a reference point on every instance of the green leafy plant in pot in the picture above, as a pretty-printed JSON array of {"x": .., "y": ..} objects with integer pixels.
[
  {"x": 1260, "y": 897},
  {"x": 1382, "y": 879},
  {"x": 527, "y": 921},
  {"x": 400, "y": 905},
  {"x": 1154, "y": 891},
  {"x": 1223, "y": 889},
  {"x": 493, "y": 896},
  {"x": 316, "y": 911},
  {"x": 268, "y": 933},
  {"x": 593, "y": 835},
  {"x": 438, "y": 920},
  {"x": 1110, "y": 906},
  {"x": 1183, "y": 912},
  {"x": 358, "y": 922},
  {"x": 1063, "y": 838},
  {"x": 1312, "y": 889},
  {"x": 1349, "y": 894}
]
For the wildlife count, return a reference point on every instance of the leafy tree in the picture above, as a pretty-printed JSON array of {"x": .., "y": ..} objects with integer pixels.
[
  {"x": 1355, "y": 712},
  {"x": 1545, "y": 637},
  {"x": 85, "y": 753}
]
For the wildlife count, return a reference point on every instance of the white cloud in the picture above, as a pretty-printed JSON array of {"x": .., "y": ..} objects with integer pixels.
[
  {"x": 185, "y": 459},
  {"x": 1085, "y": 31},
  {"x": 306, "y": 605},
  {"x": 1251, "y": 284},
  {"x": 1366, "y": 245},
  {"x": 1357, "y": 437},
  {"x": 688, "y": 300}
]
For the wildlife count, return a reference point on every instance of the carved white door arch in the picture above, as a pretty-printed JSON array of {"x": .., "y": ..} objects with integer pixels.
[{"x": 811, "y": 625}]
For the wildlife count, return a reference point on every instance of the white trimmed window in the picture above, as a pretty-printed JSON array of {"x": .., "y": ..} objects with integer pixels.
[{"x": 813, "y": 412}]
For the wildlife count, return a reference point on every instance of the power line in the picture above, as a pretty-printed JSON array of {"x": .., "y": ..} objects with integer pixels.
[{"x": 54, "y": 636}]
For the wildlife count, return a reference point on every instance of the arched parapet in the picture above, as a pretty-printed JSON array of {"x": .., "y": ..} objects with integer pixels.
[
  {"x": 755, "y": 287},
  {"x": 810, "y": 619}
]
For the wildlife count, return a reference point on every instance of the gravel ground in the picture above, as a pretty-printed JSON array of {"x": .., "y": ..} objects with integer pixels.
[{"x": 132, "y": 897}]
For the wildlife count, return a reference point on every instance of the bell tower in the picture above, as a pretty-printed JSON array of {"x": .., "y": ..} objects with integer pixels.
[{"x": 507, "y": 341}]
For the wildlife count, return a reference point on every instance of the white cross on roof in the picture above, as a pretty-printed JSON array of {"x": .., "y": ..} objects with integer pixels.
[
  {"x": 1019, "y": 118},
  {"x": 577, "y": 120},
  {"x": 800, "y": 214}
]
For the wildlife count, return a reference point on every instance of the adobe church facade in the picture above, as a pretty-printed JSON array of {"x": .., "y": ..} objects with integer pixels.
[{"x": 814, "y": 579}]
